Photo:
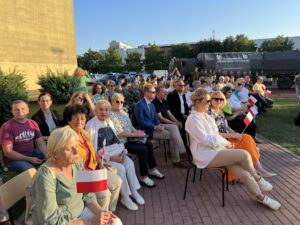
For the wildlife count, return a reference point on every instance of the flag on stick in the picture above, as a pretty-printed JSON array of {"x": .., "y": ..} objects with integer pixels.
[
  {"x": 253, "y": 111},
  {"x": 91, "y": 181},
  {"x": 248, "y": 119},
  {"x": 252, "y": 100}
]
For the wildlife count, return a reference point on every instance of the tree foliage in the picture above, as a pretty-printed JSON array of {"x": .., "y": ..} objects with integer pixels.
[
  {"x": 243, "y": 44},
  {"x": 155, "y": 59},
  {"x": 209, "y": 46},
  {"x": 183, "y": 51},
  {"x": 12, "y": 87},
  {"x": 113, "y": 61},
  {"x": 280, "y": 43},
  {"x": 133, "y": 62},
  {"x": 92, "y": 61}
]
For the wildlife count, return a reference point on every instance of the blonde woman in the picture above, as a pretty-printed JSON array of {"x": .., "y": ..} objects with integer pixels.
[
  {"x": 79, "y": 81},
  {"x": 210, "y": 149},
  {"x": 54, "y": 195}
]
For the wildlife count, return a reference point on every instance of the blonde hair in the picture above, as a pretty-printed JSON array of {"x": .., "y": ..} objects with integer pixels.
[
  {"x": 74, "y": 95},
  {"x": 219, "y": 94},
  {"x": 198, "y": 95},
  {"x": 79, "y": 72},
  {"x": 117, "y": 96},
  {"x": 59, "y": 139},
  {"x": 147, "y": 87}
]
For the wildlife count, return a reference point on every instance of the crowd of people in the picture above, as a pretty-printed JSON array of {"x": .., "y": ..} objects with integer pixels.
[{"x": 126, "y": 117}]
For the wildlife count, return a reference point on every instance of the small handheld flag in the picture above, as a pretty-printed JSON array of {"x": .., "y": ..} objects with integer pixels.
[
  {"x": 252, "y": 100},
  {"x": 253, "y": 111},
  {"x": 91, "y": 181}
]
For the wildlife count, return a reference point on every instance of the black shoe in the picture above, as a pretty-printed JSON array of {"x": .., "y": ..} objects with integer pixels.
[{"x": 182, "y": 164}]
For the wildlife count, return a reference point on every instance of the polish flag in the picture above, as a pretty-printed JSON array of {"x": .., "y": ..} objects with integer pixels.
[
  {"x": 253, "y": 111},
  {"x": 252, "y": 100},
  {"x": 91, "y": 181},
  {"x": 248, "y": 119}
]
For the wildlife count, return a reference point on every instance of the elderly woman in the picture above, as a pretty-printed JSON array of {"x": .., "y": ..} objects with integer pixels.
[
  {"x": 239, "y": 141},
  {"x": 80, "y": 98},
  {"x": 54, "y": 195},
  {"x": 210, "y": 149},
  {"x": 235, "y": 112},
  {"x": 135, "y": 141},
  {"x": 76, "y": 119},
  {"x": 103, "y": 133}
]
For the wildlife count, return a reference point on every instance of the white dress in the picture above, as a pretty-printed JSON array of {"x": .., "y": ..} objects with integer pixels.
[{"x": 205, "y": 141}]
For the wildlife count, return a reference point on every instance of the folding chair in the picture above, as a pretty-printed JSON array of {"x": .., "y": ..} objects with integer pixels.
[
  {"x": 14, "y": 190},
  {"x": 222, "y": 170}
]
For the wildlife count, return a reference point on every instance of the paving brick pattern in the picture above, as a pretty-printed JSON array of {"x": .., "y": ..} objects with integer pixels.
[{"x": 165, "y": 204}]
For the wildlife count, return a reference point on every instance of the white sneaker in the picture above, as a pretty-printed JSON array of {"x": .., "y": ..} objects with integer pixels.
[
  {"x": 271, "y": 203},
  {"x": 138, "y": 198},
  {"x": 264, "y": 185},
  {"x": 147, "y": 182},
  {"x": 156, "y": 174},
  {"x": 129, "y": 204}
]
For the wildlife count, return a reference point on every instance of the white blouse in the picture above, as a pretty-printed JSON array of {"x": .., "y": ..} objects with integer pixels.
[{"x": 205, "y": 141}]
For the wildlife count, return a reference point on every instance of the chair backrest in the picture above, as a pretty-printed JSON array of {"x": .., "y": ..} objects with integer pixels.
[{"x": 14, "y": 189}]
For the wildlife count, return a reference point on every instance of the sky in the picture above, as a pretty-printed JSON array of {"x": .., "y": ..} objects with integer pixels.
[{"x": 139, "y": 22}]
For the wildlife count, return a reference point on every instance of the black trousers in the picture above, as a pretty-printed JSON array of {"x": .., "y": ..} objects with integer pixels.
[
  {"x": 238, "y": 125},
  {"x": 145, "y": 155}
]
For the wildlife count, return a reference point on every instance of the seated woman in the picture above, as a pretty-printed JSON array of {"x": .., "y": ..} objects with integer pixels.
[
  {"x": 239, "y": 141},
  {"x": 98, "y": 92},
  {"x": 107, "y": 199},
  {"x": 141, "y": 147},
  {"x": 79, "y": 98},
  {"x": 54, "y": 195},
  {"x": 235, "y": 113},
  {"x": 210, "y": 149},
  {"x": 103, "y": 134}
]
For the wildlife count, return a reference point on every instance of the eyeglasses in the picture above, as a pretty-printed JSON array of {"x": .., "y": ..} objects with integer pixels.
[
  {"x": 81, "y": 98},
  {"x": 218, "y": 99},
  {"x": 118, "y": 102},
  {"x": 153, "y": 92},
  {"x": 239, "y": 84},
  {"x": 180, "y": 85}
]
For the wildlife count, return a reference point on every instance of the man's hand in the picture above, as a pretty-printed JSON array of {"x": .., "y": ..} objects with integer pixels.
[
  {"x": 159, "y": 127},
  {"x": 35, "y": 161},
  {"x": 179, "y": 124}
]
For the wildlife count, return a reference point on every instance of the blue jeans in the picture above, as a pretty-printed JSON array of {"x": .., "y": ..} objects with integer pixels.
[{"x": 20, "y": 166}]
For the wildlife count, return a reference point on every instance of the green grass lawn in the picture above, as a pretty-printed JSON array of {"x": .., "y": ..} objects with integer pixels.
[{"x": 278, "y": 126}]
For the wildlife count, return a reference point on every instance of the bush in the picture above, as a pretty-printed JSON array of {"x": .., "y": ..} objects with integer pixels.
[
  {"x": 57, "y": 84},
  {"x": 12, "y": 87}
]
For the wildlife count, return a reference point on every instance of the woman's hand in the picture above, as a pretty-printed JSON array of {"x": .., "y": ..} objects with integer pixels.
[
  {"x": 103, "y": 218},
  {"x": 139, "y": 133},
  {"x": 237, "y": 136},
  {"x": 230, "y": 146},
  {"x": 117, "y": 159}
]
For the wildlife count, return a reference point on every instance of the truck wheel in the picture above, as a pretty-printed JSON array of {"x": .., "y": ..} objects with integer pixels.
[{"x": 284, "y": 82}]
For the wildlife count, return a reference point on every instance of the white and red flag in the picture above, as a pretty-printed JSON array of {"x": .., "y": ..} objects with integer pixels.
[
  {"x": 252, "y": 100},
  {"x": 253, "y": 111},
  {"x": 91, "y": 181},
  {"x": 248, "y": 119}
]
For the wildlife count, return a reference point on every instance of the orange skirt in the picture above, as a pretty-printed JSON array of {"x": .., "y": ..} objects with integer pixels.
[{"x": 247, "y": 143}]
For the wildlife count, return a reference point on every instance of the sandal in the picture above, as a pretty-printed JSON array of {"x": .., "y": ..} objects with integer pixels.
[
  {"x": 156, "y": 174},
  {"x": 147, "y": 182}
]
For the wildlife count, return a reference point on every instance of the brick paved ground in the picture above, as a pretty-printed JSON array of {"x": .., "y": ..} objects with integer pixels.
[{"x": 165, "y": 204}]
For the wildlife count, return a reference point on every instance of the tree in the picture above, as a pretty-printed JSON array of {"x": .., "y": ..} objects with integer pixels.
[
  {"x": 113, "y": 61},
  {"x": 182, "y": 51},
  {"x": 154, "y": 59},
  {"x": 209, "y": 46},
  {"x": 133, "y": 62},
  {"x": 280, "y": 43},
  {"x": 228, "y": 44},
  {"x": 244, "y": 44},
  {"x": 92, "y": 61}
]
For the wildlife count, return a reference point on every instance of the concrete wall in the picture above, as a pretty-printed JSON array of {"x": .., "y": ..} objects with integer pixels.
[{"x": 36, "y": 35}]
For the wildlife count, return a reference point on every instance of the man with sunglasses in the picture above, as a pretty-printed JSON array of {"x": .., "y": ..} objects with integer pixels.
[{"x": 148, "y": 121}]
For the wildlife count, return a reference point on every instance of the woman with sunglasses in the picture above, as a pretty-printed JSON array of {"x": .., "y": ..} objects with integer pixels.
[
  {"x": 135, "y": 142},
  {"x": 235, "y": 112},
  {"x": 80, "y": 98},
  {"x": 111, "y": 86},
  {"x": 239, "y": 141},
  {"x": 210, "y": 149}
]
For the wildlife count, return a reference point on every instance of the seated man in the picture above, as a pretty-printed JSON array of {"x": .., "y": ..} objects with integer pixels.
[
  {"x": 147, "y": 120},
  {"x": 46, "y": 119},
  {"x": 18, "y": 138}
]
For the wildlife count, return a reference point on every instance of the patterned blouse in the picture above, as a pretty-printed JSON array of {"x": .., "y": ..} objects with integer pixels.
[
  {"x": 122, "y": 123},
  {"x": 220, "y": 121}
]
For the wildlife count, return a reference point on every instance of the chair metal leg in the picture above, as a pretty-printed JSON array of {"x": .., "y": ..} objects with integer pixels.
[
  {"x": 226, "y": 171},
  {"x": 165, "y": 148},
  {"x": 200, "y": 178},
  {"x": 10, "y": 217},
  {"x": 186, "y": 182},
  {"x": 194, "y": 174},
  {"x": 223, "y": 188}
]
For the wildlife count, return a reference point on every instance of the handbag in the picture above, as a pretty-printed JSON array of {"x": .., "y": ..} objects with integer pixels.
[{"x": 139, "y": 140}]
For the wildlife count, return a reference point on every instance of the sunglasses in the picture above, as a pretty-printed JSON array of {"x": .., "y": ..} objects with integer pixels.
[
  {"x": 81, "y": 98},
  {"x": 218, "y": 99},
  {"x": 118, "y": 102},
  {"x": 239, "y": 84}
]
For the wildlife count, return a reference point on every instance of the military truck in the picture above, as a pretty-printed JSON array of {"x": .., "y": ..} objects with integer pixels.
[{"x": 281, "y": 65}]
